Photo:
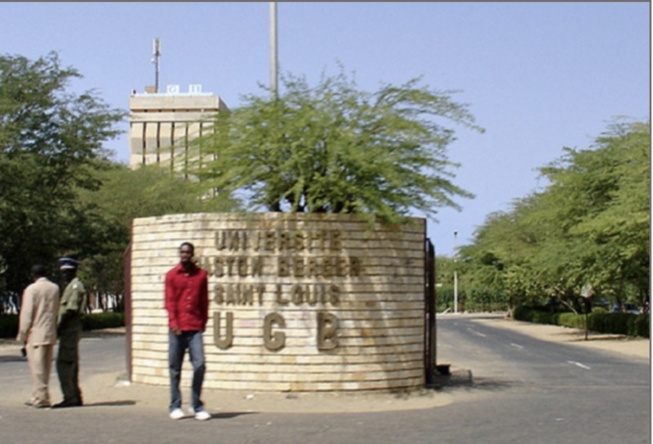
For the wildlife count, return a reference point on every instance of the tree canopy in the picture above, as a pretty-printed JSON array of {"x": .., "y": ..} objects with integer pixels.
[
  {"x": 60, "y": 192},
  {"x": 590, "y": 225},
  {"x": 50, "y": 144},
  {"x": 126, "y": 194},
  {"x": 334, "y": 148}
]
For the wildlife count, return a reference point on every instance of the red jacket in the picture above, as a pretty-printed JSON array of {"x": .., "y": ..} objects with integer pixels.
[{"x": 187, "y": 298}]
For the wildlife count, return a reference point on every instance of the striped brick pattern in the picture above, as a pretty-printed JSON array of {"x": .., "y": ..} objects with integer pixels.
[{"x": 371, "y": 278}]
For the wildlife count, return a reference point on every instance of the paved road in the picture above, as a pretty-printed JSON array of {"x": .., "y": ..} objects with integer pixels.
[
  {"x": 502, "y": 357},
  {"x": 100, "y": 353},
  {"x": 524, "y": 391},
  {"x": 545, "y": 391}
]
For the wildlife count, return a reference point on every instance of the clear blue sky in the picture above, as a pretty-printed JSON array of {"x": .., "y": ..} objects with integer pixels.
[{"x": 537, "y": 76}]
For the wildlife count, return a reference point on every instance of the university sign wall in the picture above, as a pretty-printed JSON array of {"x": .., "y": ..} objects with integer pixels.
[{"x": 298, "y": 302}]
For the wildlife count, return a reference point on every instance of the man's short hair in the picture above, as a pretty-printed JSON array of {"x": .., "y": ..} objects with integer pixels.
[
  {"x": 38, "y": 270},
  {"x": 188, "y": 244}
]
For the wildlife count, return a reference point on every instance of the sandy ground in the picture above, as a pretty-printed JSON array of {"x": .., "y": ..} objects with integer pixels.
[
  {"x": 112, "y": 389},
  {"x": 628, "y": 346}
]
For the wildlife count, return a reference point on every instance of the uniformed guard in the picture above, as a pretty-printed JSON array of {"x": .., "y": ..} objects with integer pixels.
[{"x": 69, "y": 331}]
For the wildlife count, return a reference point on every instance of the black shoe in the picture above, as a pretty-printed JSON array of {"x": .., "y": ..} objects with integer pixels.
[{"x": 64, "y": 404}]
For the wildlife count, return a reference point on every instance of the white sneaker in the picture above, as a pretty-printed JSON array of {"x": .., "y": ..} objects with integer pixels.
[
  {"x": 202, "y": 415},
  {"x": 177, "y": 414}
]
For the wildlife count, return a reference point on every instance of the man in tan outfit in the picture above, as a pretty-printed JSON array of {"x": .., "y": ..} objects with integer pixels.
[{"x": 38, "y": 330}]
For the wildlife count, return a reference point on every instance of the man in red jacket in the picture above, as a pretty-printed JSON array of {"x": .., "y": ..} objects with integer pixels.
[{"x": 187, "y": 302}]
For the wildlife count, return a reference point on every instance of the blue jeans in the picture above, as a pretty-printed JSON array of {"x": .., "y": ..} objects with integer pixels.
[{"x": 191, "y": 340}]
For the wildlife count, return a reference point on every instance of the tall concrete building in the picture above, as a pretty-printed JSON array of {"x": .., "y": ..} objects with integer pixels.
[{"x": 163, "y": 125}]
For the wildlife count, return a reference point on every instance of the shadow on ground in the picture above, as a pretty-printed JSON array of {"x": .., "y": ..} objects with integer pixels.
[
  {"x": 225, "y": 415},
  {"x": 599, "y": 338},
  {"x": 229, "y": 415},
  {"x": 12, "y": 359},
  {"x": 111, "y": 404},
  {"x": 463, "y": 379}
]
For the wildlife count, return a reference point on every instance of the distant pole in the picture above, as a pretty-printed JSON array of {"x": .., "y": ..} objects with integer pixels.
[
  {"x": 455, "y": 272},
  {"x": 587, "y": 292},
  {"x": 274, "y": 77},
  {"x": 156, "y": 51},
  {"x": 586, "y": 322}
]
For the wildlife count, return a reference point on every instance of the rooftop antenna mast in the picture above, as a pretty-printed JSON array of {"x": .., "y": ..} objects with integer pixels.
[
  {"x": 274, "y": 76},
  {"x": 156, "y": 51}
]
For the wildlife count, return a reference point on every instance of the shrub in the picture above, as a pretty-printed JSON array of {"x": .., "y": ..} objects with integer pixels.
[
  {"x": 107, "y": 319},
  {"x": 538, "y": 315},
  {"x": 522, "y": 313},
  {"x": 601, "y": 322},
  {"x": 9, "y": 323},
  {"x": 610, "y": 323},
  {"x": 543, "y": 317},
  {"x": 572, "y": 320},
  {"x": 640, "y": 326},
  {"x": 8, "y": 326}
]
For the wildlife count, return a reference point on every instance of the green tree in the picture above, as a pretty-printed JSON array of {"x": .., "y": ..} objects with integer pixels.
[
  {"x": 126, "y": 194},
  {"x": 589, "y": 225},
  {"x": 50, "y": 143},
  {"x": 603, "y": 196},
  {"x": 444, "y": 268},
  {"x": 333, "y": 148}
]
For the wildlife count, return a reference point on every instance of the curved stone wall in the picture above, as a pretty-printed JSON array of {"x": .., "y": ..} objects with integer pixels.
[{"x": 298, "y": 302}]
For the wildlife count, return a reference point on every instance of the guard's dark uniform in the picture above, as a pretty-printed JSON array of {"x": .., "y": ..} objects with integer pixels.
[{"x": 69, "y": 327}]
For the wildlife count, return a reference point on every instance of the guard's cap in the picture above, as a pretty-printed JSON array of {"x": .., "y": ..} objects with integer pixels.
[{"x": 67, "y": 263}]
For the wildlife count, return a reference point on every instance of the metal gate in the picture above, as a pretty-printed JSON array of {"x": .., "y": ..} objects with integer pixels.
[{"x": 430, "y": 332}]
